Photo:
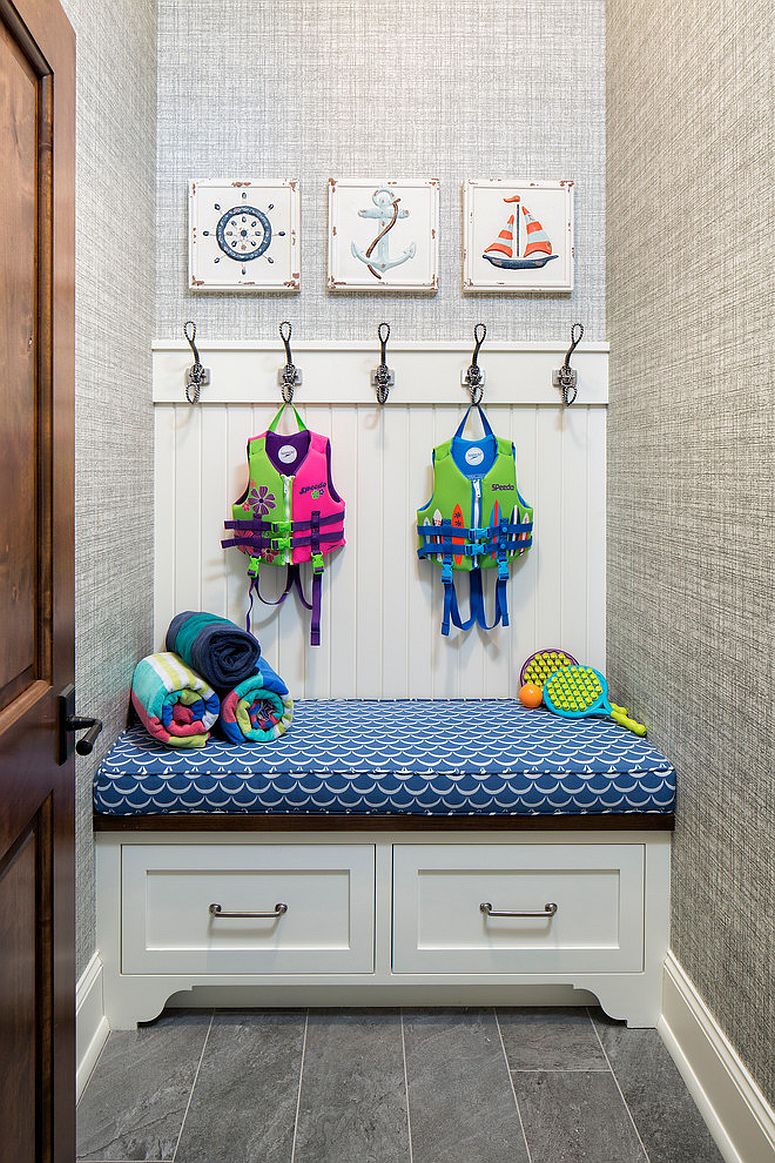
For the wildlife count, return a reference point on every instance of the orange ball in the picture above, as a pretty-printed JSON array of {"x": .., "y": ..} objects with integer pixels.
[{"x": 531, "y": 695}]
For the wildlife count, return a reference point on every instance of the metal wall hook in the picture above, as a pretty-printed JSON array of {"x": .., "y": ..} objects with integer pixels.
[
  {"x": 473, "y": 378},
  {"x": 383, "y": 378},
  {"x": 565, "y": 377},
  {"x": 288, "y": 377},
  {"x": 197, "y": 376}
]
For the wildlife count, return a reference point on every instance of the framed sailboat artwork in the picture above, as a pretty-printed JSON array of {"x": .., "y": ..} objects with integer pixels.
[{"x": 518, "y": 236}]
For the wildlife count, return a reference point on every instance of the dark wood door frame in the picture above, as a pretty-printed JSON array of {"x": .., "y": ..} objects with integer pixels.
[{"x": 37, "y": 795}]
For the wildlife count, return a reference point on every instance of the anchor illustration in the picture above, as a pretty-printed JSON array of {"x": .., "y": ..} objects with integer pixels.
[{"x": 377, "y": 257}]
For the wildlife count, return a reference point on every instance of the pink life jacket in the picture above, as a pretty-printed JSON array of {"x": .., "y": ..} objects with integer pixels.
[{"x": 289, "y": 513}]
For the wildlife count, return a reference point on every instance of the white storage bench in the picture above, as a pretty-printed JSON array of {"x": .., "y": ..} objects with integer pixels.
[{"x": 417, "y": 852}]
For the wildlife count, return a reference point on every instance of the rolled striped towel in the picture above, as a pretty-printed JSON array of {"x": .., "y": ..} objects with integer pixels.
[
  {"x": 258, "y": 710},
  {"x": 175, "y": 705}
]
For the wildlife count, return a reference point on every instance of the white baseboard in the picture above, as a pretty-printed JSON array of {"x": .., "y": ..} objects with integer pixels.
[
  {"x": 91, "y": 1025},
  {"x": 737, "y": 1114}
]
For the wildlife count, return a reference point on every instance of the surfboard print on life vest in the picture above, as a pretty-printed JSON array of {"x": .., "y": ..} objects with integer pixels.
[
  {"x": 496, "y": 511},
  {"x": 437, "y": 521},
  {"x": 458, "y": 522}
]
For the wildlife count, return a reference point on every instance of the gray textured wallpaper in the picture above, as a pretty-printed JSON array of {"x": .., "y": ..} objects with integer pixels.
[
  {"x": 479, "y": 88},
  {"x": 691, "y": 498},
  {"x": 115, "y": 129}
]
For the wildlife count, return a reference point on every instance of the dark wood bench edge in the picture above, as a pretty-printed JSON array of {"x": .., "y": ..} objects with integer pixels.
[{"x": 285, "y": 822}]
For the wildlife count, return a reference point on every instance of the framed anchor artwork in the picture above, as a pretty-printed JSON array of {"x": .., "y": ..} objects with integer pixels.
[
  {"x": 383, "y": 235},
  {"x": 518, "y": 236},
  {"x": 244, "y": 235}
]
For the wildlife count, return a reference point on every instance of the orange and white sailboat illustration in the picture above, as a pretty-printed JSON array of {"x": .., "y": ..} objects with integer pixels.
[{"x": 504, "y": 251}]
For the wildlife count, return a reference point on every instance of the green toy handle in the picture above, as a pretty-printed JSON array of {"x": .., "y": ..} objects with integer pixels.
[{"x": 619, "y": 715}]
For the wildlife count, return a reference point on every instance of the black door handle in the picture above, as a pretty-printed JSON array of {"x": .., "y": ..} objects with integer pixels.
[
  {"x": 69, "y": 723},
  {"x": 85, "y": 746}
]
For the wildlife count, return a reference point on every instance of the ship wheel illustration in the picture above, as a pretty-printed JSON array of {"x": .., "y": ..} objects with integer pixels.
[{"x": 244, "y": 233}]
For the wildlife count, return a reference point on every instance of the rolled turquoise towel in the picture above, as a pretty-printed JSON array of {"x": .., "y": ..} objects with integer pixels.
[{"x": 259, "y": 709}]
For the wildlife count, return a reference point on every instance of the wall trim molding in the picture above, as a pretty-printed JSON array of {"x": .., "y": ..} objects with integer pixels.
[
  {"x": 245, "y": 372},
  {"x": 737, "y": 1114},
  {"x": 91, "y": 1025}
]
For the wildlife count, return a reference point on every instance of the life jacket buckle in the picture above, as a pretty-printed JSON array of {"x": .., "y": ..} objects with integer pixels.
[
  {"x": 279, "y": 543},
  {"x": 254, "y": 564},
  {"x": 318, "y": 564}
]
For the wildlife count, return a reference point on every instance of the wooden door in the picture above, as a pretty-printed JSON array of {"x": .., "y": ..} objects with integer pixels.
[{"x": 37, "y": 988}]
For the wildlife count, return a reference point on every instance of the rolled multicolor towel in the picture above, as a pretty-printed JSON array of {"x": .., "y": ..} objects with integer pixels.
[
  {"x": 175, "y": 705},
  {"x": 214, "y": 647},
  {"x": 259, "y": 709}
]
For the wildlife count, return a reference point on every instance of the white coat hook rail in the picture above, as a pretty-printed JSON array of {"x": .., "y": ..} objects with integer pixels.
[
  {"x": 289, "y": 376},
  {"x": 383, "y": 378},
  {"x": 197, "y": 376},
  {"x": 473, "y": 378},
  {"x": 565, "y": 377}
]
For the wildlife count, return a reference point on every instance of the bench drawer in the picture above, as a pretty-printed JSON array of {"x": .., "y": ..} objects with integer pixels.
[
  {"x": 168, "y": 925},
  {"x": 440, "y": 927}
]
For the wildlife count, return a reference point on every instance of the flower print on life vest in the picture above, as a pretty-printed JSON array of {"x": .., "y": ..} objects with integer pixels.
[{"x": 260, "y": 500}]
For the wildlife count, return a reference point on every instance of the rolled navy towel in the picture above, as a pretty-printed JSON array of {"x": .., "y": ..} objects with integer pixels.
[{"x": 214, "y": 647}]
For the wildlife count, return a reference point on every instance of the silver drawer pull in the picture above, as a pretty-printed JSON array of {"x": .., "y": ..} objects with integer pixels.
[
  {"x": 547, "y": 911},
  {"x": 279, "y": 909}
]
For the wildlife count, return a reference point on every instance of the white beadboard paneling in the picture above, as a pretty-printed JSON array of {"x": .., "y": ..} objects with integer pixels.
[
  {"x": 165, "y": 445},
  {"x": 188, "y": 484},
  {"x": 372, "y": 563},
  {"x": 340, "y": 577},
  {"x": 549, "y": 526},
  {"x": 573, "y": 510},
  {"x": 397, "y": 528},
  {"x": 215, "y": 451},
  {"x": 596, "y": 526},
  {"x": 381, "y": 606},
  {"x": 421, "y": 611}
]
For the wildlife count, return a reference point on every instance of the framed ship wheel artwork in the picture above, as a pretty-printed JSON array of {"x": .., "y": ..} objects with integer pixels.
[{"x": 244, "y": 235}]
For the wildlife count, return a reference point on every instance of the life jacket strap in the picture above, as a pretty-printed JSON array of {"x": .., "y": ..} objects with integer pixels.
[
  {"x": 507, "y": 537},
  {"x": 257, "y": 525},
  {"x": 293, "y": 581},
  {"x": 318, "y": 565},
  {"x": 451, "y": 614},
  {"x": 260, "y": 538}
]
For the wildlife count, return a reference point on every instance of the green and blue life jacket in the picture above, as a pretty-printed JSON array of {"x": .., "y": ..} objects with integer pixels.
[{"x": 476, "y": 519}]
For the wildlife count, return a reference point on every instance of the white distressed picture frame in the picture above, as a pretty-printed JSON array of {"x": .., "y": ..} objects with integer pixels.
[
  {"x": 359, "y": 209},
  {"x": 485, "y": 215},
  {"x": 261, "y": 253}
]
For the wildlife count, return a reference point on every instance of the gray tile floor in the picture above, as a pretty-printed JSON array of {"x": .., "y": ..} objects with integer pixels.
[{"x": 389, "y": 1086}]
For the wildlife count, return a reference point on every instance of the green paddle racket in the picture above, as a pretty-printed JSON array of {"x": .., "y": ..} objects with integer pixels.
[
  {"x": 542, "y": 663},
  {"x": 576, "y": 692}
]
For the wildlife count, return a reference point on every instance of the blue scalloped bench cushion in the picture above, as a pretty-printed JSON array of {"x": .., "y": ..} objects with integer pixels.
[{"x": 466, "y": 757}]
